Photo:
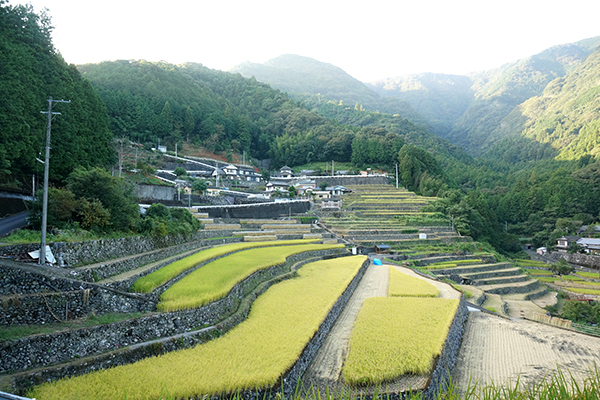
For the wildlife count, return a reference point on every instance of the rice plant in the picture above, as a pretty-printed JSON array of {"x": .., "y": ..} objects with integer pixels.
[
  {"x": 215, "y": 279},
  {"x": 394, "y": 336},
  {"x": 406, "y": 285},
  {"x": 255, "y": 354},
  {"x": 148, "y": 283}
]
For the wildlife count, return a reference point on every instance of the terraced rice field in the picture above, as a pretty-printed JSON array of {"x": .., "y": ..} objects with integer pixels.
[
  {"x": 399, "y": 350},
  {"x": 280, "y": 324},
  {"x": 151, "y": 281},
  {"x": 215, "y": 279}
]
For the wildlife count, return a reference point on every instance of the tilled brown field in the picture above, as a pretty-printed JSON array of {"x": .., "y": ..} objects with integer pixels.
[{"x": 498, "y": 350}]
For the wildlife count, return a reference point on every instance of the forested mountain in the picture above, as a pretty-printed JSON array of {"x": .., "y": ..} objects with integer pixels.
[
  {"x": 32, "y": 71},
  {"x": 299, "y": 75},
  {"x": 470, "y": 111},
  {"x": 565, "y": 119},
  {"x": 442, "y": 99},
  {"x": 152, "y": 102}
]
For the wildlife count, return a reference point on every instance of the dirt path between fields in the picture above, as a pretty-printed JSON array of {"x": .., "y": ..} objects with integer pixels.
[
  {"x": 326, "y": 368},
  {"x": 499, "y": 350},
  {"x": 327, "y": 365}
]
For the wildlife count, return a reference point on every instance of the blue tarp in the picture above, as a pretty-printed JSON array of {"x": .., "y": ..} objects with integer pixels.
[{"x": 377, "y": 261}]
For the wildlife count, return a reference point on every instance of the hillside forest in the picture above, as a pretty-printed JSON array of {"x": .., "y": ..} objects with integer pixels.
[{"x": 534, "y": 180}]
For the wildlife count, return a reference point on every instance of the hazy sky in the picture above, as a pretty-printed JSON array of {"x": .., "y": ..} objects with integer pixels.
[{"x": 369, "y": 39}]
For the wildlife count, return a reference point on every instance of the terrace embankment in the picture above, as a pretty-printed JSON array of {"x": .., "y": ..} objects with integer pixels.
[{"x": 44, "y": 350}]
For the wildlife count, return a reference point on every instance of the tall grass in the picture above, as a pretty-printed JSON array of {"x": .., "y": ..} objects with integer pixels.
[
  {"x": 215, "y": 279},
  {"x": 394, "y": 336},
  {"x": 148, "y": 283},
  {"x": 406, "y": 285},
  {"x": 255, "y": 354}
]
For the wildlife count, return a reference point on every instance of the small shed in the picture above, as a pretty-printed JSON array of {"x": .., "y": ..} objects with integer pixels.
[{"x": 382, "y": 249}]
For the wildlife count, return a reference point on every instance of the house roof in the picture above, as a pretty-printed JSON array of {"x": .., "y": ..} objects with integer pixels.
[
  {"x": 277, "y": 183},
  {"x": 383, "y": 246},
  {"x": 569, "y": 238},
  {"x": 285, "y": 168},
  {"x": 588, "y": 242}
]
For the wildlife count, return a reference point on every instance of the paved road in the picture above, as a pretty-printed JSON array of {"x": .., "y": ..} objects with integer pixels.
[{"x": 13, "y": 222}]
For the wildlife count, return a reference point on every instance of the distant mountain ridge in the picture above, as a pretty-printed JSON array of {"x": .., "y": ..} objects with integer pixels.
[
  {"x": 476, "y": 112},
  {"x": 491, "y": 96},
  {"x": 299, "y": 75}
]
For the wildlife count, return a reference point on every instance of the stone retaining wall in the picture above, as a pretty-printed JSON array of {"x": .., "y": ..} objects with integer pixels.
[
  {"x": 49, "y": 308},
  {"x": 310, "y": 351},
  {"x": 447, "y": 360},
  {"x": 430, "y": 259},
  {"x": 43, "y": 350},
  {"x": 109, "y": 269},
  {"x": 81, "y": 253},
  {"x": 259, "y": 210},
  {"x": 585, "y": 260}
]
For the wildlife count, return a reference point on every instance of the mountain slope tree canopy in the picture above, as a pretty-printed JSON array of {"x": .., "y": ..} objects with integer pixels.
[{"x": 32, "y": 71}]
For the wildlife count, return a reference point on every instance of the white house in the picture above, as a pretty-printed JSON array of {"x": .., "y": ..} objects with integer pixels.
[
  {"x": 305, "y": 186},
  {"x": 277, "y": 185},
  {"x": 336, "y": 190},
  {"x": 286, "y": 172},
  {"x": 231, "y": 171},
  {"x": 321, "y": 194}
]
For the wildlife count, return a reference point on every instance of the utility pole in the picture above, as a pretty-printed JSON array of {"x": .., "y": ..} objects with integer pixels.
[
  {"x": 46, "y": 173},
  {"x": 396, "y": 176},
  {"x": 175, "y": 149},
  {"x": 121, "y": 157}
]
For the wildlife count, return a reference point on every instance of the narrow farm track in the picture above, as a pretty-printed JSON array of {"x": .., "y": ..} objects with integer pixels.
[
  {"x": 327, "y": 365},
  {"x": 499, "y": 350}
]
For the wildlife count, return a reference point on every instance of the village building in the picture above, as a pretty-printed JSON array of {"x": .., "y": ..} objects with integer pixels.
[
  {"x": 273, "y": 186},
  {"x": 590, "y": 246},
  {"x": 286, "y": 172},
  {"x": 565, "y": 241}
]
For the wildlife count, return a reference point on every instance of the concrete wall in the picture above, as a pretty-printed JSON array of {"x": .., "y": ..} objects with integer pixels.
[
  {"x": 155, "y": 192},
  {"x": 262, "y": 210}
]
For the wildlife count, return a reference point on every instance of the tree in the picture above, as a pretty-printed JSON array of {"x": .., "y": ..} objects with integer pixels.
[
  {"x": 323, "y": 185},
  {"x": 179, "y": 171},
  {"x": 292, "y": 191},
  {"x": 561, "y": 267},
  {"x": 199, "y": 186},
  {"x": 114, "y": 193}
]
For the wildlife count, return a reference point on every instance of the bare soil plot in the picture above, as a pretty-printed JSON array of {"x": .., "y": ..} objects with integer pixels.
[
  {"x": 494, "y": 303},
  {"x": 499, "y": 350}
]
